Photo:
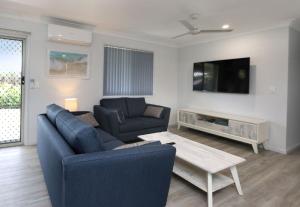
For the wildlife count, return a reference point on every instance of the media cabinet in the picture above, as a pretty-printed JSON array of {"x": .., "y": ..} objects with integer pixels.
[{"x": 249, "y": 130}]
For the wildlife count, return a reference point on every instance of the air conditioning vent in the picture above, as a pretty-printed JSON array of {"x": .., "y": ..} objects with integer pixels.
[{"x": 69, "y": 35}]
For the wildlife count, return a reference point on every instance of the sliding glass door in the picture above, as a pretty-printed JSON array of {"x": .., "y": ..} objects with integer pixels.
[{"x": 11, "y": 90}]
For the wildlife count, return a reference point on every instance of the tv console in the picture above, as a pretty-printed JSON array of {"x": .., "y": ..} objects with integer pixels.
[{"x": 249, "y": 130}]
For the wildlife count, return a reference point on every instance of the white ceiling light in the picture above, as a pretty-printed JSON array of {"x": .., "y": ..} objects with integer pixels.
[{"x": 225, "y": 26}]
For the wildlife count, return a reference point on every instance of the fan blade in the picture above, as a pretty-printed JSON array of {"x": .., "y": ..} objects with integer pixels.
[
  {"x": 187, "y": 25},
  {"x": 181, "y": 35},
  {"x": 214, "y": 31}
]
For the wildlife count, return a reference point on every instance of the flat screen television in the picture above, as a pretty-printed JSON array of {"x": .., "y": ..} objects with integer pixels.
[{"x": 224, "y": 76}]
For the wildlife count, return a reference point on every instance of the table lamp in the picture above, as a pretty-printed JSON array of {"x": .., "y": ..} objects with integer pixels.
[{"x": 71, "y": 104}]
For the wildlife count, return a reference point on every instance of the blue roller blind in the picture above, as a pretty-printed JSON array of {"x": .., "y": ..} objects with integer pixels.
[{"x": 127, "y": 72}]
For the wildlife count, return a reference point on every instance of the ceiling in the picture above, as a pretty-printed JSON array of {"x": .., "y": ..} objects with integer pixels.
[{"x": 157, "y": 20}]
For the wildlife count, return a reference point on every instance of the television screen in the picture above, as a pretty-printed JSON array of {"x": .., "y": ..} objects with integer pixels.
[{"x": 226, "y": 76}]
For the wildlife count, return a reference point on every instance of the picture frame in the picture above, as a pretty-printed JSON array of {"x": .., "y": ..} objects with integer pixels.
[{"x": 68, "y": 64}]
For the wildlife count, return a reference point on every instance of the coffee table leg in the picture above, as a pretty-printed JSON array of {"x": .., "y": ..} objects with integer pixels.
[
  {"x": 236, "y": 179},
  {"x": 209, "y": 190}
]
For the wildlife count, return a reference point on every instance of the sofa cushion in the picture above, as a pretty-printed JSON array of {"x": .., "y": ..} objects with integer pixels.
[
  {"x": 154, "y": 111},
  {"x": 52, "y": 111},
  {"x": 88, "y": 118},
  {"x": 112, "y": 144},
  {"x": 104, "y": 136},
  {"x": 135, "y": 106},
  {"x": 109, "y": 142},
  {"x": 115, "y": 103},
  {"x": 140, "y": 123},
  {"x": 120, "y": 115},
  {"x": 81, "y": 136}
]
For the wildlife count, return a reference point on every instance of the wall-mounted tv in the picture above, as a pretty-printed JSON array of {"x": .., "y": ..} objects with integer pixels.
[{"x": 224, "y": 76}]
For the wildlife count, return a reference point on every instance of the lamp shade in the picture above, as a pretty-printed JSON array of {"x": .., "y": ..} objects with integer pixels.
[{"x": 71, "y": 104}]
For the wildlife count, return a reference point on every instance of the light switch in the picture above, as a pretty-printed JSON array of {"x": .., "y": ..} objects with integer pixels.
[{"x": 34, "y": 84}]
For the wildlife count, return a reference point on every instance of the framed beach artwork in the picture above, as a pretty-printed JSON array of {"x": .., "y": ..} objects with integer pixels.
[{"x": 68, "y": 64}]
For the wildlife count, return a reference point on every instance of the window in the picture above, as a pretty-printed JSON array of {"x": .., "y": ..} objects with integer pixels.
[{"x": 127, "y": 72}]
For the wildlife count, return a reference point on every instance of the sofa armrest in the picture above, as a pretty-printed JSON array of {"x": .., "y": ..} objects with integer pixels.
[
  {"x": 165, "y": 114},
  {"x": 107, "y": 119},
  {"x": 128, "y": 177}
]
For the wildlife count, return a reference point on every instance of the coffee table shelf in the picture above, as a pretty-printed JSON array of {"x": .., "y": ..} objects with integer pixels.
[{"x": 198, "y": 177}]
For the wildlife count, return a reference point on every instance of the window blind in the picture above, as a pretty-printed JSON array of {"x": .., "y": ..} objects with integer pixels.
[{"x": 127, "y": 72}]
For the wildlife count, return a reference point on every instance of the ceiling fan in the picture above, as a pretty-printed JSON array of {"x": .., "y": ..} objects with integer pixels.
[{"x": 195, "y": 31}]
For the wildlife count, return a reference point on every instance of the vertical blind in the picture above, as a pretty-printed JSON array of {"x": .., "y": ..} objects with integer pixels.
[{"x": 127, "y": 72}]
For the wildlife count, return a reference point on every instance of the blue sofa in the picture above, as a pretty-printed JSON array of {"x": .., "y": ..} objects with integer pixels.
[
  {"x": 135, "y": 123},
  {"x": 81, "y": 169}
]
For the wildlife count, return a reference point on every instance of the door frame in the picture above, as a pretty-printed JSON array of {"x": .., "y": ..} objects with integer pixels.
[{"x": 25, "y": 38}]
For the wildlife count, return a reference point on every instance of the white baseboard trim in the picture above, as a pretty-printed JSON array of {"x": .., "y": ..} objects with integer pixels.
[
  {"x": 291, "y": 149},
  {"x": 275, "y": 149}
]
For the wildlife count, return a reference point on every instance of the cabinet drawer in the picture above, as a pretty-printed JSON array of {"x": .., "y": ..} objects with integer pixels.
[
  {"x": 186, "y": 117},
  {"x": 243, "y": 129}
]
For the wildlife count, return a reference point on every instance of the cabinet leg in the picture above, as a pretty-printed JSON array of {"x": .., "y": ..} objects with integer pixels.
[
  {"x": 209, "y": 190},
  {"x": 178, "y": 126},
  {"x": 255, "y": 148}
]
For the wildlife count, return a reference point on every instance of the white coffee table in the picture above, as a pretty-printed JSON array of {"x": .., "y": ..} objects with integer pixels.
[{"x": 200, "y": 164}]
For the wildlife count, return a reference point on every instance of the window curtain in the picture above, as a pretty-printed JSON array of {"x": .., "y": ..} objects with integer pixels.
[{"x": 127, "y": 72}]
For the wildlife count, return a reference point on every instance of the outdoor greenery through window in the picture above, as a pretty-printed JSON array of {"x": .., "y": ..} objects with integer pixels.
[
  {"x": 10, "y": 87},
  {"x": 127, "y": 72}
]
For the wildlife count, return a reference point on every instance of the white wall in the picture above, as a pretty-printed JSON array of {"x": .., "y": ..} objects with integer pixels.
[
  {"x": 88, "y": 91},
  {"x": 173, "y": 77},
  {"x": 268, "y": 51},
  {"x": 293, "y": 113}
]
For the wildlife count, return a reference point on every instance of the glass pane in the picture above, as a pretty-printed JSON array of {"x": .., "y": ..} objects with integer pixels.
[{"x": 10, "y": 90}]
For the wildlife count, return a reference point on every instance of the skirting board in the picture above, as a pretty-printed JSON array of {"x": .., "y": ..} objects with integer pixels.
[
  {"x": 293, "y": 148},
  {"x": 275, "y": 149}
]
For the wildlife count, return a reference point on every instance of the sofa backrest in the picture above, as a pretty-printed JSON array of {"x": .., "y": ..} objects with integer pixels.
[
  {"x": 115, "y": 103},
  {"x": 135, "y": 106},
  {"x": 131, "y": 107},
  {"x": 52, "y": 111},
  {"x": 82, "y": 137}
]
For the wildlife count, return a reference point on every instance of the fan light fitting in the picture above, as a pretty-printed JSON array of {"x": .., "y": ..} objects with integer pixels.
[{"x": 225, "y": 26}]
